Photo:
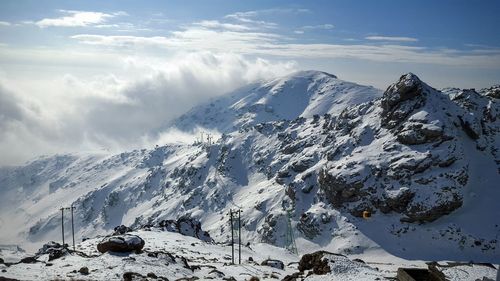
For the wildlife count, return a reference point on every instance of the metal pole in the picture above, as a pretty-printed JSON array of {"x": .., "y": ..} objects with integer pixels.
[
  {"x": 62, "y": 225},
  {"x": 232, "y": 237},
  {"x": 239, "y": 235},
  {"x": 72, "y": 227}
]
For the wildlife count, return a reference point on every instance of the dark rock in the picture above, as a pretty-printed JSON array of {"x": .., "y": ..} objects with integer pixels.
[
  {"x": 217, "y": 273},
  {"x": 121, "y": 229},
  {"x": 274, "y": 263},
  {"x": 418, "y": 133},
  {"x": 254, "y": 278},
  {"x": 467, "y": 127},
  {"x": 399, "y": 201},
  {"x": 121, "y": 243},
  {"x": 294, "y": 277},
  {"x": 301, "y": 165},
  {"x": 53, "y": 249},
  {"x": 152, "y": 275},
  {"x": 28, "y": 260},
  {"x": 309, "y": 225},
  {"x": 186, "y": 226},
  {"x": 84, "y": 270},
  {"x": 129, "y": 276},
  {"x": 316, "y": 262},
  {"x": 421, "y": 213},
  {"x": 338, "y": 190},
  {"x": 400, "y": 99}
]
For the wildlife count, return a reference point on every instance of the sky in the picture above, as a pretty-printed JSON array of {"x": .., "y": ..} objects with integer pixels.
[{"x": 103, "y": 75}]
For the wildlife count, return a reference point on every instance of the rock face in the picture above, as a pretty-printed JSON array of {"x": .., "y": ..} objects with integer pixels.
[
  {"x": 400, "y": 99},
  {"x": 121, "y": 243}
]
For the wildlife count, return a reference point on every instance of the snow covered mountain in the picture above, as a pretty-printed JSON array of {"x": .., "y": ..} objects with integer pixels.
[
  {"x": 301, "y": 94},
  {"x": 307, "y": 147}
]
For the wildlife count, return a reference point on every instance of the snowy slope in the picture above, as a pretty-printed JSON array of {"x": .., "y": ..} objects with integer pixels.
[
  {"x": 424, "y": 162},
  {"x": 301, "y": 94},
  {"x": 172, "y": 256}
]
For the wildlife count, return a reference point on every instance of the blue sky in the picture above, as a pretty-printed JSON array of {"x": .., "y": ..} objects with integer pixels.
[
  {"x": 456, "y": 41},
  {"x": 71, "y": 72}
]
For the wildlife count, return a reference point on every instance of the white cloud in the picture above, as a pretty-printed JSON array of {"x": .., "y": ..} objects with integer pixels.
[
  {"x": 391, "y": 38},
  {"x": 261, "y": 43},
  {"x": 77, "y": 19},
  {"x": 325, "y": 26},
  {"x": 214, "y": 24},
  {"x": 320, "y": 26},
  {"x": 4, "y": 23},
  {"x": 249, "y": 17},
  {"x": 115, "y": 113}
]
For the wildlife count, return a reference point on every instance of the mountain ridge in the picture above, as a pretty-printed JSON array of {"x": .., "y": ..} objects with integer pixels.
[{"x": 405, "y": 156}]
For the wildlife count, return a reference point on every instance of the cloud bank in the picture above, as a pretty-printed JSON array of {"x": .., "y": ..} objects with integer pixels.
[{"x": 110, "y": 113}]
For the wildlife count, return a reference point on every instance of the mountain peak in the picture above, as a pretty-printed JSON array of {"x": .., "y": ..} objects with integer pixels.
[
  {"x": 407, "y": 87},
  {"x": 299, "y": 94}
]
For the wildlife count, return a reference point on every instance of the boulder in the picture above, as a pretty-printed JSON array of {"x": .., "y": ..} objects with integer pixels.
[
  {"x": 186, "y": 226},
  {"x": 53, "y": 249},
  {"x": 121, "y": 243},
  {"x": 316, "y": 262},
  {"x": 28, "y": 260},
  {"x": 84, "y": 270},
  {"x": 274, "y": 263}
]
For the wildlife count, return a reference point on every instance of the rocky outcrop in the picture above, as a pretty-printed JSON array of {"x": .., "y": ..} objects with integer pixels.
[
  {"x": 186, "y": 226},
  {"x": 400, "y": 99},
  {"x": 417, "y": 133},
  {"x": 316, "y": 262},
  {"x": 339, "y": 190},
  {"x": 121, "y": 243},
  {"x": 121, "y": 229},
  {"x": 53, "y": 249},
  {"x": 421, "y": 212}
]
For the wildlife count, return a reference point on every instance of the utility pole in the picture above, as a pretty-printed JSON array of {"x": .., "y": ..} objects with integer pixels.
[
  {"x": 62, "y": 224},
  {"x": 232, "y": 236},
  {"x": 239, "y": 236},
  {"x": 73, "y": 226},
  {"x": 209, "y": 139}
]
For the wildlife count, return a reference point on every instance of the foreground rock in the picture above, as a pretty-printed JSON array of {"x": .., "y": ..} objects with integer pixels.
[
  {"x": 121, "y": 243},
  {"x": 333, "y": 265},
  {"x": 53, "y": 249}
]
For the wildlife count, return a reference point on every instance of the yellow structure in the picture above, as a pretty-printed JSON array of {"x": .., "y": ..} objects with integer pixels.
[{"x": 367, "y": 214}]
